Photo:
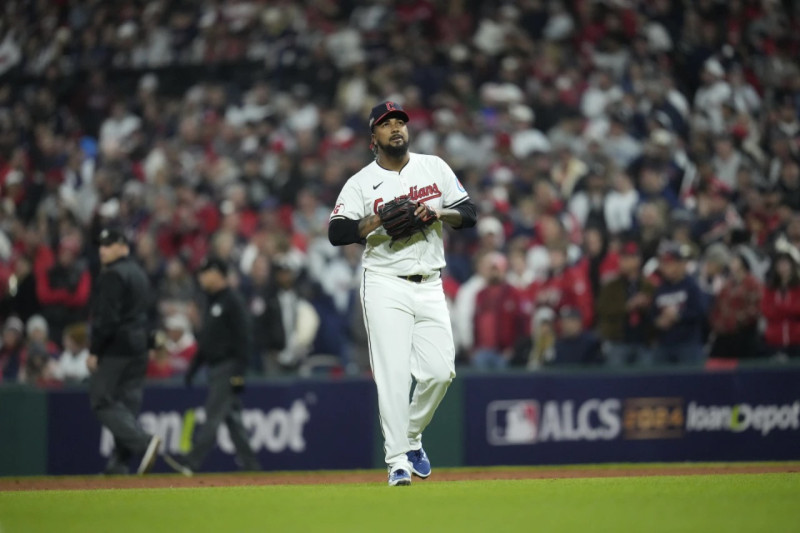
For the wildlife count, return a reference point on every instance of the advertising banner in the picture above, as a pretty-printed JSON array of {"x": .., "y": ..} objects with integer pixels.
[
  {"x": 582, "y": 418},
  {"x": 306, "y": 425}
]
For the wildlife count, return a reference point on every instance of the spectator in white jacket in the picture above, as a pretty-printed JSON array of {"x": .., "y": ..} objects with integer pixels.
[
  {"x": 620, "y": 204},
  {"x": 464, "y": 304},
  {"x": 71, "y": 365}
]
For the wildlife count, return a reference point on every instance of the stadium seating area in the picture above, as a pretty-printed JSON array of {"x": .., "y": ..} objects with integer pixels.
[{"x": 635, "y": 164}]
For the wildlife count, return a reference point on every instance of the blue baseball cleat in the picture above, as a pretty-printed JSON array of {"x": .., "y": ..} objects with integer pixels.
[
  {"x": 399, "y": 478},
  {"x": 420, "y": 464}
]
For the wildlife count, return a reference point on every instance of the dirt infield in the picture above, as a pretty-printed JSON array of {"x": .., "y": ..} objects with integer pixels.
[{"x": 377, "y": 476}]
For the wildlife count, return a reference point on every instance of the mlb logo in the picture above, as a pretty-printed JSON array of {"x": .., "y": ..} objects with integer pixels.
[{"x": 510, "y": 422}]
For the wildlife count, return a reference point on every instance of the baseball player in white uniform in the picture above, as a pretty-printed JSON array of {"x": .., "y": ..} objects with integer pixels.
[{"x": 405, "y": 312}]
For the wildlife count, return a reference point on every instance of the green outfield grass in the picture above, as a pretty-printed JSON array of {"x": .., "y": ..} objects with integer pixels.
[{"x": 729, "y": 503}]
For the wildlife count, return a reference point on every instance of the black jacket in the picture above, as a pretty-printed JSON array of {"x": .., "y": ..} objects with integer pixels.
[
  {"x": 227, "y": 331},
  {"x": 119, "y": 310},
  {"x": 265, "y": 310}
]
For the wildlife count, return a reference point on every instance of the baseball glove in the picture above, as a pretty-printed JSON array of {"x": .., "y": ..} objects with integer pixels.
[{"x": 399, "y": 220}]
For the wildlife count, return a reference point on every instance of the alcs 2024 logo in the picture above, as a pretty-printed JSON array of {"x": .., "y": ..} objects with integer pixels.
[{"x": 511, "y": 422}]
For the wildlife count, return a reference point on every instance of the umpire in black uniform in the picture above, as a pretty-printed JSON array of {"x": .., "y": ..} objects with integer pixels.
[
  {"x": 224, "y": 344},
  {"x": 118, "y": 352}
]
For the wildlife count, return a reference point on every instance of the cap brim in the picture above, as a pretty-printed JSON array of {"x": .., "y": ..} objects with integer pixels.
[{"x": 378, "y": 120}]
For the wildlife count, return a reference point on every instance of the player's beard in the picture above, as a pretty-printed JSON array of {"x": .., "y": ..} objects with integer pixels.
[{"x": 394, "y": 151}]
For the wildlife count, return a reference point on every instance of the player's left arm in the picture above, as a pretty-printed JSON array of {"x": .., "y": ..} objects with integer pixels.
[
  {"x": 460, "y": 216},
  {"x": 457, "y": 209}
]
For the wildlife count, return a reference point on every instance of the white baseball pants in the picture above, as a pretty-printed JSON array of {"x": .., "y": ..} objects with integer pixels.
[{"x": 409, "y": 334}]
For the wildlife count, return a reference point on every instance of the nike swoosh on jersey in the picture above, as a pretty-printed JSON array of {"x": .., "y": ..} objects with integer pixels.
[{"x": 376, "y": 186}]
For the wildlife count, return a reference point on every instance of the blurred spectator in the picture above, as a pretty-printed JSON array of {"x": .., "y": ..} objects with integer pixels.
[
  {"x": 601, "y": 260},
  {"x": 177, "y": 286},
  {"x": 726, "y": 162},
  {"x": 550, "y": 231},
  {"x": 679, "y": 310},
  {"x": 173, "y": 356},
  {"x": 71, "y": 365},
  {"x": 37, "y": 366},
  {"x": 618, "y": 144},
  {"x": 780, "y": 304},
  {"x": 587, "y": 205},
  {"x": 600, "y": 95},
  {"x": 38, "y": 332},
  {"x": 623, "y": 312},
  {"x": 680, "y": 232},
  {"x": 519, "y": 275},
  {"x": 567, "y": 170},
  {"x": 117, "y": 132},
  {"x": 39, "y": 352},
  {"x": 464, "y": 305},
  {"x": 713, "y": 274},
  {"x": 716, "y": 215},
  {"x": 20, "y": 298},
  {"x": 11, "y": 350},
  {"x": 63, "y": 284},
  {"x": 651, "y": 224},
  {"x": 300, "y": 320},
  {"x": 261, "y": 297},
  {"x": 538, "y": 348},
  {"x": 654, "y": 188},
  {"x": 336, "y": 291},
  {"x": 735, "y": 313},
  {"x": 563, "y": 286},
  {"x": 498, "y": 320},
  {"x": 575, "y": 344},
  {"x": 789, "y": 186},
  {"x": 712, "y": 94},
  {"x": 491, "y": 235},
  {"x": 620, "y": 204},
  {"x": 525, "y": 139}
]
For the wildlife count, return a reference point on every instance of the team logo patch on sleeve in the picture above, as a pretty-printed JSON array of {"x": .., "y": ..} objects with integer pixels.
[
  {"x": 338, "y": 209},
  {"x": 459, "y": 186}
]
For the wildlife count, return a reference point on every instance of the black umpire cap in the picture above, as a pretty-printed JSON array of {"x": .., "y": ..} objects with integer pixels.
[
  {"x": 213, "y": 263},
  {"x": 385, "y": 110},
  {"x": 109, "y": 236}
]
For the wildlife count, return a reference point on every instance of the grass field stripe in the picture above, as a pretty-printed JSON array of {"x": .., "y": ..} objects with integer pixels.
[{"x": 686, "y": 504}]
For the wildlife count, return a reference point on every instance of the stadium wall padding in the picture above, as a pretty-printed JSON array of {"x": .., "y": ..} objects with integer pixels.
[
  {"x": 742, "y": 415},
  {"x": 23, "y": 431},
  {"x": 549, "y": 417}
]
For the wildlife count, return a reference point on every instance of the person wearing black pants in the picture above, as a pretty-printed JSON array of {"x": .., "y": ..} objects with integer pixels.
[
  {"x": 118, "y": 353},
  {"x": 224, "y": 344}
]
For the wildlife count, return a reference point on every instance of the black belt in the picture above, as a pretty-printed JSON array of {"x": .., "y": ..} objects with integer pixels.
[{"x": 419, "y": 278}]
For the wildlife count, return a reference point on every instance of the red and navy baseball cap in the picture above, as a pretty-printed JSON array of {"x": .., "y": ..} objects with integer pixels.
[
  {"x": 385, "y": 110},
  {"x": 674, "y": 251}
]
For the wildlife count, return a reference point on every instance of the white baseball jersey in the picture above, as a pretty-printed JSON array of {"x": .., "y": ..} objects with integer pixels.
[{"x": 425, "y": 178}]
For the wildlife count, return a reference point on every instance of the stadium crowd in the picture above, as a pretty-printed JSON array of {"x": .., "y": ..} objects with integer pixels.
[{"x": 635, "y": 165}]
